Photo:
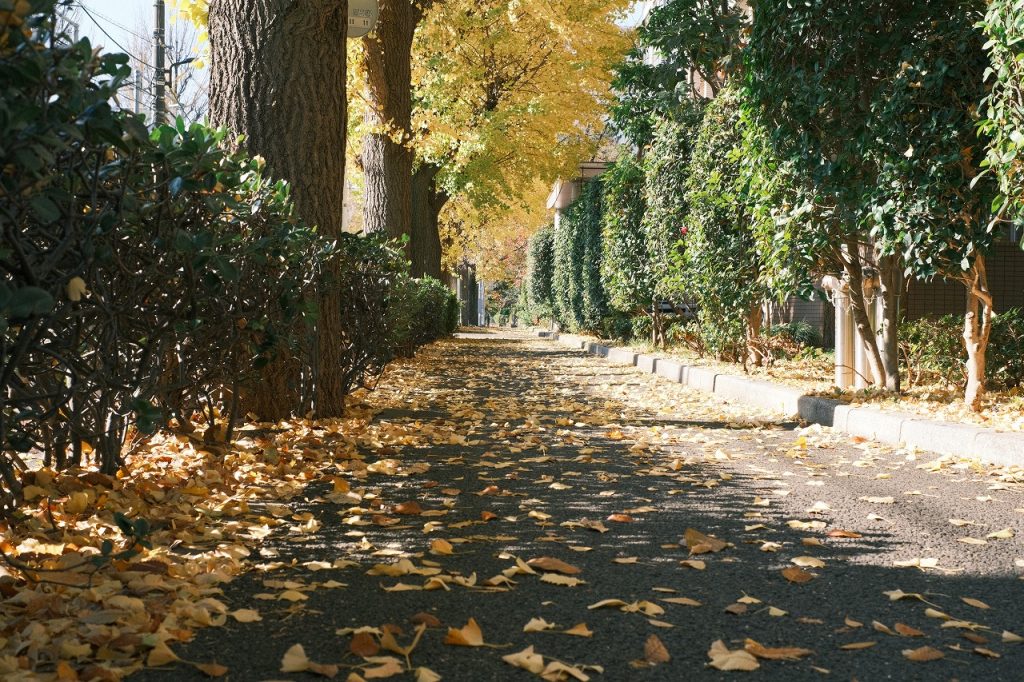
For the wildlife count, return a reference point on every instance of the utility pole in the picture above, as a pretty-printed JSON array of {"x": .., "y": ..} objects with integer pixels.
[{"x": 159, "y": 75}]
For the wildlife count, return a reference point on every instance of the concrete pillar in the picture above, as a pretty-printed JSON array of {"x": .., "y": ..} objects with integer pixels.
[{"x": 845, "y": 348}]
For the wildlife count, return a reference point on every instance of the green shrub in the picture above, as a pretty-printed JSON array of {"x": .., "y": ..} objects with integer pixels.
[
  {"x": 616, "y": 326},
  {"x": 666, "y": 169},
  {"x": 540, "y": 266},
  {"x": 419, "y": 311},
  {"x": 800, "y": 333},
  {"x": 146, "y": 275},
  {"x": 626, "y": 272},
  {"x": 1006, "y": 350},
  {"x": 932, "y": 350},
  {"x": 720, "y": 265},
  {"x": 640, "y": 328},
  {"x": 576, "y": 291}
]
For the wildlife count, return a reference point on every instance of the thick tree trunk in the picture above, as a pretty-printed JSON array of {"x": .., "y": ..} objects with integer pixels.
[
  {"x": 277, "y": 76},
  {"x": 977, "y": 328},
  {"x": 387, "y": 157},
  {"x": 425, "y": 238}
]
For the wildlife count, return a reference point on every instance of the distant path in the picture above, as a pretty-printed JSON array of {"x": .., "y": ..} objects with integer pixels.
[{"x": 545, "y": 442}]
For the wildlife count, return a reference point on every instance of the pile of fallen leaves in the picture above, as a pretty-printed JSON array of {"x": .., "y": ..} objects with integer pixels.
[{"x": 102, "y": 575}]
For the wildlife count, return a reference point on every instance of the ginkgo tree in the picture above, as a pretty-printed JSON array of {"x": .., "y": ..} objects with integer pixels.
[{"x": 507, "y": 99}]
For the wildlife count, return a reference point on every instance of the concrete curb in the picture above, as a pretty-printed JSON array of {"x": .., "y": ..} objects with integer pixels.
[{"x": 892, "y": 428}]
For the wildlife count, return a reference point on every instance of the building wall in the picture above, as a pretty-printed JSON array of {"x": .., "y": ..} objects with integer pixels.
[
  {"x": 817, "y": 312},
  {"x": 943, "y": 297}
]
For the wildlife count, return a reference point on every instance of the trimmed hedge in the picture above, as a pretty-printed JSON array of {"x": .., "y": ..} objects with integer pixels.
[
  {"x": 150, "y": 276},
  {"x": 540, "y": 266},
  {"x": 420, "y": 311},
  {"x": 626, "y": 272},
  {"x": 578, "y": 297}
]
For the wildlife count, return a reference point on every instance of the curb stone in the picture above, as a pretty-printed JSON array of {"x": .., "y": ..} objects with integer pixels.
[{"x": 885, "y": 426}]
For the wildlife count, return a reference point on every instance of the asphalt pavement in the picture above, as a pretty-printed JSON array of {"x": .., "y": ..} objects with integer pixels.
[{"x": 531, "y": 451}]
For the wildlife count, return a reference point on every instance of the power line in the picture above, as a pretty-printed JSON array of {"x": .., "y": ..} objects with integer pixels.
[
  {"x": 114, "y": 22},
  {"x": 112, "y": 39}
]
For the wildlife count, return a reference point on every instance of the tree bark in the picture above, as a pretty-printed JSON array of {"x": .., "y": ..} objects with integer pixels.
[
  {"x": 277, "y": 76},
  {"x": 387, "y": 156},
  {"x": 855, "y": 273},
  {"x": 977, "y": 328},
  {"x": 755, "y": 320},
  {"x": 425, "y": 237},
  {"x": 891, "y": 290}
]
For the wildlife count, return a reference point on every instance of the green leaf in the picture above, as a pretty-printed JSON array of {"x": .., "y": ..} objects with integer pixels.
[{"x": 29, "y": 302}]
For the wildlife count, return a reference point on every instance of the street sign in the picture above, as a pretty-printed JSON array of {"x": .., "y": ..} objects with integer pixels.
[{"x": 362, "y": 17}]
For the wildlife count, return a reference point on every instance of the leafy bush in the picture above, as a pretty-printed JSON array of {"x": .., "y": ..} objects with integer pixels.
[
  {"x": 666, "y": 169},
  {"x": 626, "y": 273},
  {"x": 640, "y": 328},
  {"x": 616, "y": 326},
  {"x": 420, "y": 311},
  {"x": 577, "y": 294},
  {"x": 932, "y": 350},
  {"x": 721, "y": 265},
  {"x": 147, "y": 277},
  {"x": 1006, "y": 349},
  {"x": 540, "y": 266},
  {"x": 801, "y": 333}
]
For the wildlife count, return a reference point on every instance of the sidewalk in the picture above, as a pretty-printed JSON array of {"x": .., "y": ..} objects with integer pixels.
[
  {"x": 564, "y": 503},
  {"x": 886, "y": 426}
]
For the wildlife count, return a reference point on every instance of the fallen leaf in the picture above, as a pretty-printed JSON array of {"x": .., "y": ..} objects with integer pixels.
[
  {"x": 1004, "y": 534},
  {"x": 699, "y": 543},
  {"x": 1011, "y": 638},
  {"x": 527, "y": 660},
  {"x": 579, "y": 630},
  {"x": 211, "y": 669},
  {"x": 788, "y": 653},
  {"x": 556, "y": 671},
  {"x": 797, "y": 575},
  {"x": 878, "y": 500},
  {"x": 808, "y": 562},
  {"x": 296, "y": 661},
  {"x": 546, "y": 563},
  {"x": 907, "y": 631},
  {"x": 857, "y": 646},
  {"x": 441, "y": 546},
  {"x": 384, "y": 666},
  {"x": 685, "y": 601},
  {"x": 696, "y": 564},
  {"x": 722, "y": 658},
  {"x": 160, "y": 655},
  {"x": 469, "y": 635},
  {"x": 976, "y": 603},
  {"x": 364, "y": 644},
  {"x": 840, "y": 533},
  {"x": 426, "y": 675},
  {"x": 620, "y": 518},
  {"x": 923, "y": 654},
  {"x": 246, "y": 615},
  {"x": 655, "y": 651},
  {"x": 882, "y": 627},
  {"x": 538, "y": 625},
  {"x": 558, "y": 579}
]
